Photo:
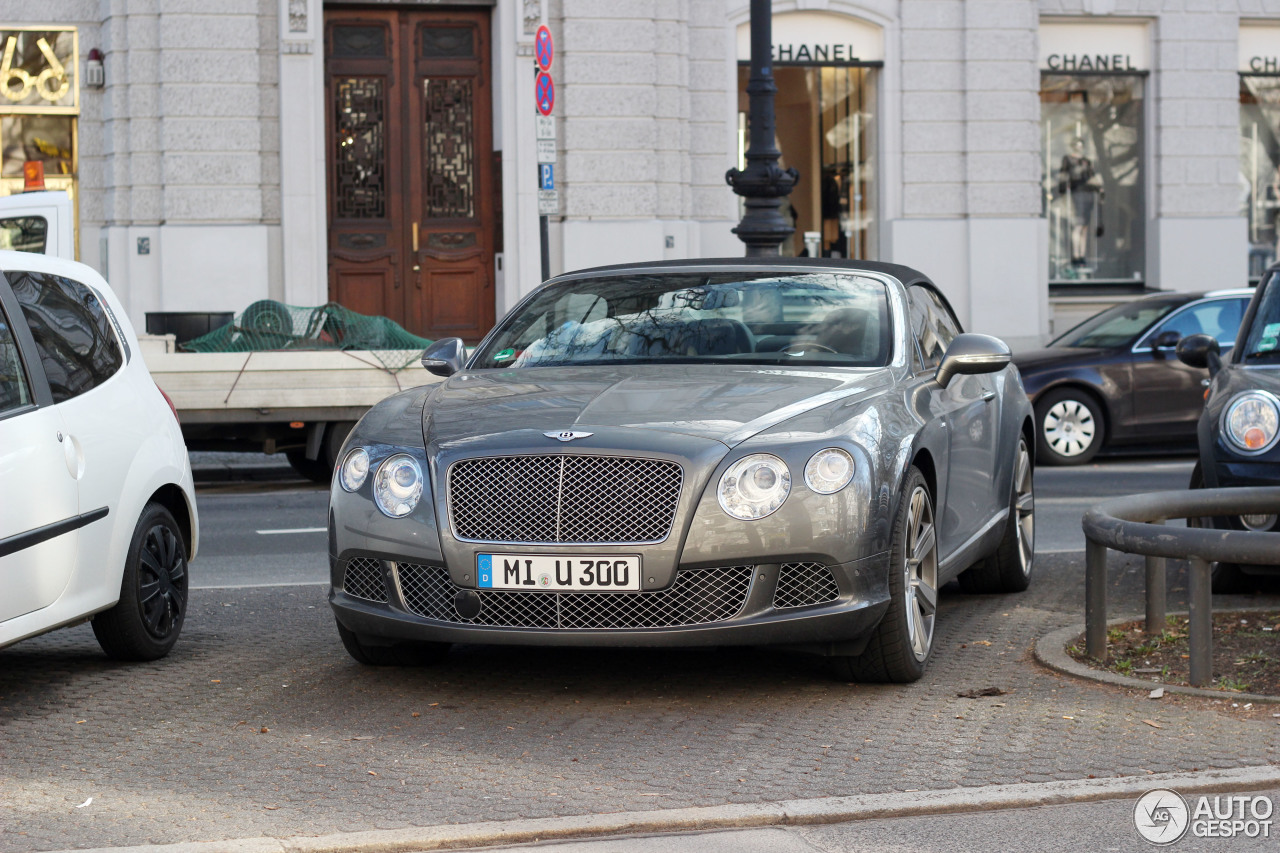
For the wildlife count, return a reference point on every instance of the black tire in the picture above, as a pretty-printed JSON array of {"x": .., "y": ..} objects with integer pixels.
[
  {"x": 401, "y": 654},
  {"x": 320, "y": 469},
  {"x": 147, "y": 620},
  {"x": 1008, "y": 568},
  {"x": 1224, "y": 578},
  {"x": 335, "y": 435},
  {"x": 314, "y": 470},
  {"x": 1070, "y": 427},
  {"x": 898, "y": 652}
]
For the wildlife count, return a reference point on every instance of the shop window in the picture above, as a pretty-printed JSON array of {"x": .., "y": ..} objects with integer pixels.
[
  {"x": 1260, "y": 167},
  {"x": 1091, "y": 128},
  {"x": 39, "y": 105},
  {"x": 826, "y": 130}
]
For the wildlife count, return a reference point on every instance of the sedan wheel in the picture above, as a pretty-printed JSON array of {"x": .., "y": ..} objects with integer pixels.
[
  {"x": 146, "y": 622},
  {"x": 901, "y": 644},
  {"x": 1070, "y": 427}
]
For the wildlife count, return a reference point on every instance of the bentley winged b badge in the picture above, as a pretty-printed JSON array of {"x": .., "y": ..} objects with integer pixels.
[{"x": 567, "y": 435}]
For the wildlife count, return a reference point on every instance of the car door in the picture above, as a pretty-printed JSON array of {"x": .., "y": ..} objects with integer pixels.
[
  {"x": 1168, "y": 396},
  {"x": 39, "y": 512},
  {"x": 82, "y": 356},
  {"x": 967, "y": 408}
]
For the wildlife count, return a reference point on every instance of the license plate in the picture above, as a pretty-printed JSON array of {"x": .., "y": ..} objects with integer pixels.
[{"x": 579, "y": 573}]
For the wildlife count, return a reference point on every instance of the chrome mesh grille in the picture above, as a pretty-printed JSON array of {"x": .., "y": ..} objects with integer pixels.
[
  {"x": 363, "y": 579},
  {"x": 583, "y": 500},
  {"x": 803, "y": 584},
  {"x": 697, "y": 597}
]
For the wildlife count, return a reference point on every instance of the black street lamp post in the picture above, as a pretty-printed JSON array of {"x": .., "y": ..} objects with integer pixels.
[{"x": 763, "y": 184}]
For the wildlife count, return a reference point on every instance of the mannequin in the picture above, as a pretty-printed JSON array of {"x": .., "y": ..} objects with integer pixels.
[{"x": 1077, "y": 177}]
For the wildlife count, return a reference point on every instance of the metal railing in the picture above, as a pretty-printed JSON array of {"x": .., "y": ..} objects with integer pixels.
[{"x": 1135, "y": 525}]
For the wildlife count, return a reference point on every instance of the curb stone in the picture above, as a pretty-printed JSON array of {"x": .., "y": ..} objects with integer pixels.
[
  {"x": 818, "y": 811},
  {"x": 1050, "y": 650}
]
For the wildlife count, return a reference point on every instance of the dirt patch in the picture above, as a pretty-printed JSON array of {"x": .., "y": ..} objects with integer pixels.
[{"x": 1246, "y": 652}]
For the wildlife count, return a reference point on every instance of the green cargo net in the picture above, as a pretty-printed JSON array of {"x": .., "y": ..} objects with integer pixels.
[{"x": 267, "y": 325}]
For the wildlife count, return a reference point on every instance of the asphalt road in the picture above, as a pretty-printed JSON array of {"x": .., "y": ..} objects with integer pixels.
[{"x": 272, "y": 533}]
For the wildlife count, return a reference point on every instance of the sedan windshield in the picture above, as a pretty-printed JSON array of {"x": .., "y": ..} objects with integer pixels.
[
  {"x": 1115, "y": 327},
  {"x": 1262, "y": 346},
  {"x": 825, "y": 318}
]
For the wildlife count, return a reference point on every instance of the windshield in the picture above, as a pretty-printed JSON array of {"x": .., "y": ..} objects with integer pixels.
[
  {"x": 1262, "y": 346},
  {"x": 832, "y": 319},
  {"x": 1116, "y": 326}
]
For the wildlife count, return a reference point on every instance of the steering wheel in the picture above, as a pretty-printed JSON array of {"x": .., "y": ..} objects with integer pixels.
[{"x": 801, "y": 347}]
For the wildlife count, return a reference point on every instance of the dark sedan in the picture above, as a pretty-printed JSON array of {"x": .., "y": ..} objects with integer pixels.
[
  {"x": 1114, "y": 379},
  {"x": 784, "y": 452},
  {"x": 1239, "y": 430}
]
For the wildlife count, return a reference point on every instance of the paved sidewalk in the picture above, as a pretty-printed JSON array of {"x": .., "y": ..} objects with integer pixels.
[{"x": 260, "y": 725}]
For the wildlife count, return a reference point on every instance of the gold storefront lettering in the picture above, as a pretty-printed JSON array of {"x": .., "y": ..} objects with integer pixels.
[{"x": 55, "y": 72}]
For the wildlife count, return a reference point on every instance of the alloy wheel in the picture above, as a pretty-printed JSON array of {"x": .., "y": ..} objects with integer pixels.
[
  {"x": 921, "y": 573},
  {"x": 162, "y": 581},
  {"x": 1069, "y": 427},
  {"x": 1025, "y": 509}
]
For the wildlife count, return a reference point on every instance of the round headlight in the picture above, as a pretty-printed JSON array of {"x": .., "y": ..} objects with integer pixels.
[
  {"x": 398, "y": 485},
  {"x": 1252, "y": 421},
  {"x": 829, "y": 470},
  {"x": 354, "y": 469},
  {"x": 754, "y": 486}
]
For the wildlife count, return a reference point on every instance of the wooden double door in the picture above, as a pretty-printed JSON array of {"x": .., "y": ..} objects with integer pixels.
[{"x": 412, "y": 195}]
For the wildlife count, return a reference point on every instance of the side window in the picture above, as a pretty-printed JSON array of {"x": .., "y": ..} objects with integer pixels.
[
  {"x": 1219, "y": 318},
  {"x": 15, "y": 392},
  {"x": 24, "y": 233},
  {"x": 72, "y": 332},
  {"x": 932, "y": 324}
]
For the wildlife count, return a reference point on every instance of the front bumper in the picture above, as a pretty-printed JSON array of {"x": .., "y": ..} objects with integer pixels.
[{"x": 801, "y": 604}]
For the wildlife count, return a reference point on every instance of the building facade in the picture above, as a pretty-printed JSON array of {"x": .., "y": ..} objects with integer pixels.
[{"x": 1038, "y": 159}]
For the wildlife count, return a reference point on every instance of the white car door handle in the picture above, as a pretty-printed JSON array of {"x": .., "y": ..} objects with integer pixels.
[{"x": 74, "y": 456}]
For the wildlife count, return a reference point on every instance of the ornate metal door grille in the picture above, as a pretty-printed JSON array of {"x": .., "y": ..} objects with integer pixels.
[
  {"x": 449, "y": 138},
  {"x": 359, "y": 158}
]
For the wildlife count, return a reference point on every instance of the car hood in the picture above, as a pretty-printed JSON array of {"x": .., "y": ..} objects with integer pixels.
[
  {"x": 724, "y": 403},
  {"x": 1050, "y": 357}
]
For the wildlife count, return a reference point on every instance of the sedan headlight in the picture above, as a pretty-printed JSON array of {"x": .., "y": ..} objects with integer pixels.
[
  {"x": 754, "y": 486},
  {"x": 829, "y": 470},
  {"x": 354, "y": 469},
  {"x": 398, "y": 485},
  {"x": 1252, "y": 421}
]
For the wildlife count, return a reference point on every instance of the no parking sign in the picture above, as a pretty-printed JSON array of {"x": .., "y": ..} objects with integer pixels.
[
  {"x": 544, "y": 48},
  {"x": 546, "y": 94}
]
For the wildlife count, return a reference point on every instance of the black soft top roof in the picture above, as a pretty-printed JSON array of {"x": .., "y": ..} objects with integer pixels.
[{"x": 904, "y": 274}]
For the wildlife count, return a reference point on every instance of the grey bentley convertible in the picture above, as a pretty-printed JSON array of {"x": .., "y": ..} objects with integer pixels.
[{"x": 789, "y": 452}]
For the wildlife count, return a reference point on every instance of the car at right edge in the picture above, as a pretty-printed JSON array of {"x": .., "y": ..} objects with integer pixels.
[{"x": 1239, "y": 431}]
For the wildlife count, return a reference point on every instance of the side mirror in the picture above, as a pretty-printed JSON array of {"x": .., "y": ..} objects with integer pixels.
[
  {"x": 970, "y": 354},
  {"x": 1166, "y": 340},
  {"x": 1200, "y": 351},
  {"x": 445, "y": 357}
]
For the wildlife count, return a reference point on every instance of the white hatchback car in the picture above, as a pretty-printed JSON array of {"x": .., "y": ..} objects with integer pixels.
[{"x": 97, "y": 507}]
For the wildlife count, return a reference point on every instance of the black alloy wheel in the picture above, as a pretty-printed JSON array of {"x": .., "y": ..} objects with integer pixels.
[{"x": 148, "y": 618}]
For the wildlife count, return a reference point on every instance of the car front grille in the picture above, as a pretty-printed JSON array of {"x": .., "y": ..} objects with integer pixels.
[
  {"x": 563, "y": 499},
  {"x": 363, "y": 579},
  {"x": 804, "y": 584},
  {"x": 698, "y": 597}
]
